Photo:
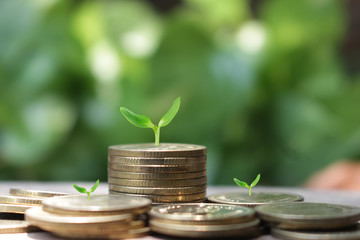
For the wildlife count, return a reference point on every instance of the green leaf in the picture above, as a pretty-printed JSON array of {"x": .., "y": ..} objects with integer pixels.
[
  {"x": 140, "y": 121},
  {"x": 95, "y": 186},
  {"x": 79, "y": 189},
  {"x": 253, "y": 184},
  {"x": 241, "y": 183},
  {"x": 169, "y": 116}
]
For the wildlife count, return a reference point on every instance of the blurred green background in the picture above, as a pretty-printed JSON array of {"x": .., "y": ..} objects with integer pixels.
[{"x": 268, "y": 86}]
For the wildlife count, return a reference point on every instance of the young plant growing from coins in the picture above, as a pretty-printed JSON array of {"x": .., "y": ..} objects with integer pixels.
[
  {"x": 142, "y": 121},
  {"x": 244, "y": 184},
  {"x": 83, "y": 190}
]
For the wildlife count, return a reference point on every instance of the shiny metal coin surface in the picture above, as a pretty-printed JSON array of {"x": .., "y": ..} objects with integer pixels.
[
  {"x": 98, "y": 204},
  {"x": 20, "y": 200},
  {"x": 163, "y": 150},
  {"x": 158, "y": 190},
  {"x": 158, "y": 183},
  {"x": 308, "y": 215},
  {"x": 170, "y": 199},
  {"x": 202, "y": 213},
  {"x": 256, "y": 198},
  {"x": 14, "y": 208},
  {"x": 158, "y": 168},
  {"x": 157, "y": 161},
  {"x": 35, "y": 193},
  {"x": 155, "y": 176}
]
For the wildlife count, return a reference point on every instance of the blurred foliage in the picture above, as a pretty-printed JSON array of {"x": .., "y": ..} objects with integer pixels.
[{"x": 266, "y": 94}]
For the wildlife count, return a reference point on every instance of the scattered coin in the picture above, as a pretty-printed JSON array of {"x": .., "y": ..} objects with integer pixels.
[
  {"x": 20, "y": 200},
  {"x": 161, "y": 151},
  {"x": 158, "y": 190},
  {"x": 202, "y": 213},
  {"x": 158, "y": 183},
  {"x": 98, "y": 205},
  {"x": 157, "y": 161},
  {"x": 14, "y": 208},
  {"x": 348, "y": 234},
  {"x": 16, "y": 226},
  {"x": 309, "y": 216},
  {"x": 34, "y": 193},
  {"x": 155, "y": 176},
  {"x": 256, "y": 198},
  {"x": 158, "y": 168},
  {"x": 246, "y": 229}
]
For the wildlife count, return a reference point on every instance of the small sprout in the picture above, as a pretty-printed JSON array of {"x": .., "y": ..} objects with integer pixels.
[
  {"x": 83, "y": 190},
  {"x": 244, "y": 184},
  {"x": 142, "y": 121}
]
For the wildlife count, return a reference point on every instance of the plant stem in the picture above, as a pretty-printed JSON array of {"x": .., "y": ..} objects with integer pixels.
[
  {"x": 157, "y": 135},
  {"x": 249, "y": 191},
  {"x": 88, "y": 195}
]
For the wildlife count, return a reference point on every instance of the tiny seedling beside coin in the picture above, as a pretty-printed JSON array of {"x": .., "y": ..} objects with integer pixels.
[
  {"x": 83, "y": 190},
  {"x": 244, "y": 184},
  {"x": 142, "y": 121}
]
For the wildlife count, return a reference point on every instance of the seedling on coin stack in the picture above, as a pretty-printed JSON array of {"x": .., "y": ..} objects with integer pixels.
[
  {"x": 162, "y": 172},
  {"x": 142, "y": 121}
]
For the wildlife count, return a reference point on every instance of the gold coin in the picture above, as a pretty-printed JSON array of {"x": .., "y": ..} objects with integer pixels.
[
  {"x": 34, "y": 193},
  {"x": 20, "y": 200},
  {"x": 202, "y": 213},
  {"x": 158, "y": 190},
  {"x": 16, "y": 226},
  {"x": 131, "y": 233},
  {"x": 155, "y": 176},
  {"x": 246, "y": 229},
  {"x": 161, "y": 151},
  {"x": 157, "y": 183},
  {"x": 169, "y": 199},
  {"x": 158, "y": 168},
  {"x": 157, "y": 161},
  {"x": 97, "y": 205},
  {"x": 14, "y": 208}
]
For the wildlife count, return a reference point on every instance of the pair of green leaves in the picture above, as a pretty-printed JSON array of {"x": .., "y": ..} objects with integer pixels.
[
  {"x": 244, "y": 184},
  {"x": 83, "y": 190},
  {"x": 142, "y": 121}
]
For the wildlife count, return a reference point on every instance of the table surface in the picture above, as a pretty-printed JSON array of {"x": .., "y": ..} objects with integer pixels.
[{"x": 339, "y": 197}]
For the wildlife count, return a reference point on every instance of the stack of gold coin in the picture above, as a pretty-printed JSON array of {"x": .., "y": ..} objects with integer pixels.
[
  {"x": 168, "y": 173},
  {"x": 204, "y": 220},
  {"x": 103, "y": 216}
]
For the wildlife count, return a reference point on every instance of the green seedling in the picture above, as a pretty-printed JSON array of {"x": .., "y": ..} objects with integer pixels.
[
  {"x": 244, "y": 184},
  {"x": 83, "y": 190},
  {"x": 142, "y": 121}
]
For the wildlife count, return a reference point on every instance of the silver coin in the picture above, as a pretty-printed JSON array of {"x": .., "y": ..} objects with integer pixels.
[
  {"x": 161, "y": 151},
  {"x": 157, "y": 161},
  {"x": 348, "y": 234},
  {"x": 202, "y": 213},
  {"x": 246, "y": 229},
  {"x": 155, "y": 176},
  {"x": 256, "y": 198},
  {"x": 196, "y": 197},
  {"x": 97, "y": 205},
  {"x": 308, "y": 216}
]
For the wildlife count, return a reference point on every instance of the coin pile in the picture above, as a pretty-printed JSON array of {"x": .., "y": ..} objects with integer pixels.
[
  {"x": 309, "y": 220},
  {"x": 204, "y": 220},
  {"x": 168, "y": 173},
  {"x": 256, "y": 198},
  {"x": 103, "y": 216},
  {"x": 12, "y": 209}
]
